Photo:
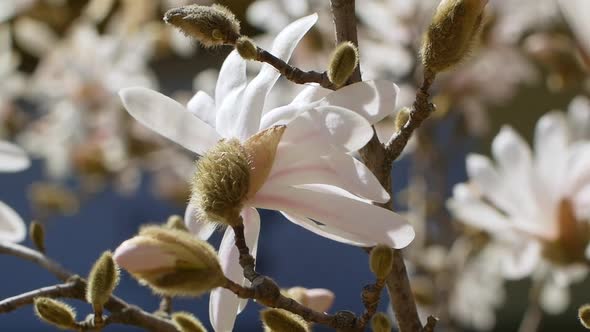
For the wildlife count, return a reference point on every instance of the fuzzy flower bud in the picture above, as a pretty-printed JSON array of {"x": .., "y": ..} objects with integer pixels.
[
  {"x": 232, "y": 171},
  {"x": 171, "y": 262},
  {"x": 402, "y": 118},
  {"x": 343, "y": 61},
  {"x": 381, "y": 260},
  {"x": 279, "y": 320},
  {"x": 102, "y": 280},
  {"x": 211, "y": 25},
  {"x": 584, "y": 315},
  {"x": 56, "y": 313},
  {"x": 176, "y": 222},
  {"x": 247, "y": 48},
  {"x": 187, "y": 322},
  {"x": 318, "y": 299},
  {"x": 453, "y": 32},
  {"x": 380, "y": 323},
  {"x": 37, "y": 234}
]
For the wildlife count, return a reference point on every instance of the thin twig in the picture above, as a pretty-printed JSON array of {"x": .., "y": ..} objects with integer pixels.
[
  {"x": 133, "y": 314},
  {"x": 293, "y": 73},
  {"x": 533, "y": 314},
  {"x": 371, "y": 295},
  {"x": 71, "y": 289},
  {"x": 430, "y": 324}
]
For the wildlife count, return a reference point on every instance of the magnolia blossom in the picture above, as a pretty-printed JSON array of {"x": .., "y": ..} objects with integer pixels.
[
  {"x": 535, "y": 203},
  {"x": 312, "y": 179},
  {"x": 12, "y": 159}
]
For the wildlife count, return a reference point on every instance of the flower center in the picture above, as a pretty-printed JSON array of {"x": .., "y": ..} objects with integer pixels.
[{"x": 573, "y": 237}]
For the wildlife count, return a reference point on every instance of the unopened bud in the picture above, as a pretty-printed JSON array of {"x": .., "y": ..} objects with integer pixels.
[
  {"x": 584, "y": 315},
  {"x": 37, "y": 234},
  {"x": 176, "y": 222},
  {"x": 171, "y": 262},
  {"x": 451, "y": 35},
  {"x": 187, "y": 322},
  {"x": 102, "y": 280},
  {"x": 343, "y": 61},
  {"x": 247, "y": 48},
  {"x": 381, "y": 260},
  {"x": 380, "y": 323},
  {"x": 279, "y": 320},
  {"x": 401, "y": 118},
  {"x": 211, "y": 25},
  {"x": 56, "y": 313}
]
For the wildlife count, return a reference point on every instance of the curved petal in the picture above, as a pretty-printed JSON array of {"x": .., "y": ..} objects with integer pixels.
[
  {"x": 248, "y": 121},
  {"x": 375, "y": 224},
  {"x": 328, "y": 232},
  {"x": 337, "y": 169},
  {"x": 374, "y": 100},
  {"x": 473, "y": 211},
  {"x": 12, "y": 158},
  {"x": 203, "y": 106},
  {"x": 169, "y": 118},
  {"x": 199, "y": 228},
  {"x": 310, "y": 93},
  {"x": 489, "y": 182},
  {"x": 12, "y": 227},
  {"x": 223, "y": 304},
  {"x": 228, "y": 93},
  {"x": 551, "y": 142},
  {"x": 522, "y": 259},
  {"x": 578, "y": 114}
]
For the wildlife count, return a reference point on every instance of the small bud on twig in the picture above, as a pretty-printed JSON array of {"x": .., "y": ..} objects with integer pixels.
[
  {"x": 176, "y": 222},
  {"x": 343, "y": 61},
  {"x": 584, "y": 315},
  {"x": 56, "y": 313},
  {"x": 171, "y": 262},
  {"x": 451, "y": 35},
  {"x": 211, "y": 25},
  {"x": 279, "y": 320},
  {"x": 247, "y": 48},
  {"x": 187, "y": 322},
  {"x": 381, "y": 260},
  {"x": 102, "y": 280},
  {"x": 380, "y": 323},
  {"x": 37, "y": 234},
  {"x": 401, "y": 118}
]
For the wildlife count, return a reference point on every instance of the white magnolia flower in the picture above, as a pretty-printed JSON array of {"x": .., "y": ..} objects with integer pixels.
[
  {"x": 575, "y": 13},
  {"x": 12, "y": 159},
  {"x": 536, "y": 205},
  {"x": 313, "y": 179}
]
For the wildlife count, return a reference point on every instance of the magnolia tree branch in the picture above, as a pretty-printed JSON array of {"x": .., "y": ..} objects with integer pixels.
[
  {"x": 293, "y": 73},
  {"x": 379, "y": 159},
  {"x": 75, "y": 287}
]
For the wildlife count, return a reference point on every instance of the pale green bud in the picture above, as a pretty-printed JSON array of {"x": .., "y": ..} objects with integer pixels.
[
  {"x": 247, "y": 48},
  {"x": 211, "y": 25},
  {"x": 455, "y": 28},
  {"x": 37, "y": 234},
  {"x": 56, "y": 313},
  {"x": 343, "y": 62},
  {"x": 401, "y": 118},
  {"x": 380, "y": 323},
  {"x": 187, "y": 322},
  {"x": 102, "y": 280},
  {"x": 279, "y": 320},
  {"x": 380, "y": 261},
  {"x": 171, "y": 262}
]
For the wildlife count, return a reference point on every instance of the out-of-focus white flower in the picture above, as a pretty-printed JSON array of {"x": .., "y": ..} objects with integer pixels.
[
  {"x": 575, "y": 13},
  {"x": 10, "y": 8},
  {"x": 534, "y": 204},
  {"x": 312, "y": 177},
  {"x": 12, "y": 159}
]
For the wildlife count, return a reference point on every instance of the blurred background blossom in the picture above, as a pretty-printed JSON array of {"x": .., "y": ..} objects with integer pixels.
[{"x": 96, "y": 174}]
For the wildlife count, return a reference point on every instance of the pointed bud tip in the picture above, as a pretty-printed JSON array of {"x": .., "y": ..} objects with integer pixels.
[{"x": 102, "y": 280}]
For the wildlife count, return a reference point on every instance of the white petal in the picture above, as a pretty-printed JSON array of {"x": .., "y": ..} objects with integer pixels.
[
  {"x": 311, "y": 93},
  {"x": 579, "y": 118},
  {"x": 12, "y": 158},
  {"x": 328, "y": 232},
  {"x": 375, "y": 224},
  {"x": 374, "y": 100},
  {"x": 248, "y": 122},
  {"x": 489, "y": 182},
  {"x": 169, "y": 118},
  {"x": 476, "y": 213},
  {"x": 575, "y": 12},
  {"x": 199, "y": 228},
  {"x": 551, "y": 142},
  {"x": 337, "y": 169},
  {"x": 521, "y": 259},
  {"x": 203, "y": 106},
  {"x": 12, "y": 227},
  {"x": 578, "y": 167},
  {"x": 223, "y": 304},
  {"x": 228, "y": 93},
  {"x": 554, "y": 298}
]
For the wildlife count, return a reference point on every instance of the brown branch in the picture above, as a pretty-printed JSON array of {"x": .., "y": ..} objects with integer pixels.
[
  {"x": 371, "y": 296},
  {"x": 70, "y": 289},
  {"x": 266, "y": 291},
  {"x": 293, "y": 73},
  {"x": 430, "y": 324},
  {"x": 132, "y": 315},
  {"x": 379, "y": 160},
  {"x": 533, "y": 314}
]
